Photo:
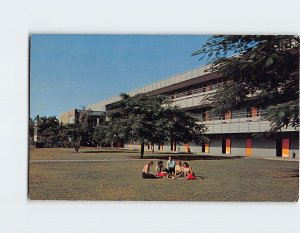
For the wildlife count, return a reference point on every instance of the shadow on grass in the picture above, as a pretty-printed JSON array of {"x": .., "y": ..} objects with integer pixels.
[
  {"x": 187, "y": 157},
  {"x": 294, "y": 173},
  {"x": 286, "y": 177},
  {"x": 108, "y": 151}
]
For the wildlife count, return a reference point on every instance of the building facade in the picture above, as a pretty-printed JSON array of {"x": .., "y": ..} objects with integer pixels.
[
  {"x": 231, "y": 134},
  {"x": 72, "y": 116}
]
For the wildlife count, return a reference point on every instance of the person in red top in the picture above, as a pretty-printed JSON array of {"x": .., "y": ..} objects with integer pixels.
[
  {"x": 146, "y": 171},
  {"x": 160, "y": 169},
  {"x": 188, "y": 172}
]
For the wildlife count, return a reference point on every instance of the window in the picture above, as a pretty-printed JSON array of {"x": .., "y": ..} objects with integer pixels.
[{"x": 227, "y": 115}]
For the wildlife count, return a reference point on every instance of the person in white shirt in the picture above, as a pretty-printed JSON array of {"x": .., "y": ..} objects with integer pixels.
[
  {"x": 170, "y": 167},
  {"x": 178, "y": 170}
]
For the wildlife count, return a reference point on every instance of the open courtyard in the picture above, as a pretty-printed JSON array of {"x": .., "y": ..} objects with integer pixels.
[{"x": 111, "y": 174}]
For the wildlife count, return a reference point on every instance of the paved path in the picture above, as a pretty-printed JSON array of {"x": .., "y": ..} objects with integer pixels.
[
  {"x": 84, "y": 160},
  {"x": 122, "y": 160}
]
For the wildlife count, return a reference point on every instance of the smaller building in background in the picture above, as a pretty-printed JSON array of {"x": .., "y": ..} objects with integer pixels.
[{"x": 72, "y": 116}]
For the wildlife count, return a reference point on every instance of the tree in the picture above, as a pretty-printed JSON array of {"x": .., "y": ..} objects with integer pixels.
[
  {"x": 48, "y": 129},
  {"x": 31, "y": 127},
  {"x": 72, "y": 135},
  {"x": 265, "y": 68},
  {"x": 183, "y": 127},
  {"x": 79, "y": 132},
  {"x": 147, "y": 120},
  {"x": 103, "y": 134},
  {"x": 132, "y": 119}
]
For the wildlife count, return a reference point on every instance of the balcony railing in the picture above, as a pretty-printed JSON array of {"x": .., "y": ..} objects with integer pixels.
[
  {"x": 236, "y": 117},
  {"x": 242, "y": 122},
  {"x": 192, "y": 93}
]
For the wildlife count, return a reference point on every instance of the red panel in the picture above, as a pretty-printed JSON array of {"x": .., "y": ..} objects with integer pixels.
[
  {"x": 249, "y": 147},
  {"x": 254, "y": 112},
  {"x": 228, "y": 146},
  {"x": 285, "y": 147},
  {"x": 228, "y": 115}
]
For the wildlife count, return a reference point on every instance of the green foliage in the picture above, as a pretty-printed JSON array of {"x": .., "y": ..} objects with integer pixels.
[
  {"x": 182, "y": 127},
  {"x": 80, "y": 132},
  {"x": 283, "y": 115},
  {"x": 48, "y": 129},
  {"x": 103, "y": 134},
  {"x": 72, "y": 135},
  {"x": 266, "y": 67},
  {"x": 147, "y": 120},
  {"x": 31, "y": 127}
]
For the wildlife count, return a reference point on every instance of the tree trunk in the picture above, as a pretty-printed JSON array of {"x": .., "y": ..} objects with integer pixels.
[
  {"x": 142, "y": 150},
  {"x": 152, "y": 147},
  {"x": 76, "y": 146}
]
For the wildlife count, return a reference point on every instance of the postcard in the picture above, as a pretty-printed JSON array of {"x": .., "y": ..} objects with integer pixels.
[{"x": 164, "y": 117}]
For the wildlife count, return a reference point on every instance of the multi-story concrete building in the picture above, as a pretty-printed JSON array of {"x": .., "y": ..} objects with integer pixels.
[{"x": 231, "y": 134}]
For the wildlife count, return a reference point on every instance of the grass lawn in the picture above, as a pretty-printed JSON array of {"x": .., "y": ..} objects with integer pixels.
[{"x": 92, "y": 174}]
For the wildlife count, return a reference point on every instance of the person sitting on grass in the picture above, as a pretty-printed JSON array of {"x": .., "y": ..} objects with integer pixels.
[
  {"x": 188, "y": 172},
  {"x": 178, "y": 170},
  {"x": 160, "y": 170},
  {"x": 170, "y": 167},
  {"x": 146, "y": 171}
]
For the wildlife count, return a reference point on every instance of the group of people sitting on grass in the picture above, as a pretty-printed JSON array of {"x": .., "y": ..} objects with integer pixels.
[{"x": 174, "y": 169}]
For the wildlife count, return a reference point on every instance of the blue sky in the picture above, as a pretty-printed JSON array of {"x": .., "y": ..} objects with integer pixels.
[{"x": 71, "y": 71}]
